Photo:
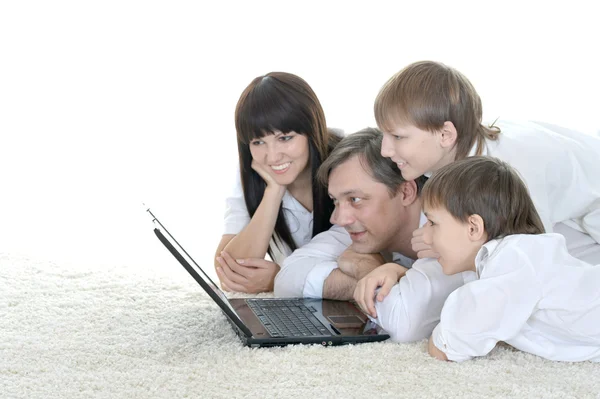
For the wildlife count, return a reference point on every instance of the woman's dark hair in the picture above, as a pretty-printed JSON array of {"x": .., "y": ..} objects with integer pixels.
[{"x": 280, "y": 101}]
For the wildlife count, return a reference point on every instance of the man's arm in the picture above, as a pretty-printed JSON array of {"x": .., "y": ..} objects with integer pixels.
[
  {"x": 304, "y": 272},
  {"x": 338, "y": 285}
]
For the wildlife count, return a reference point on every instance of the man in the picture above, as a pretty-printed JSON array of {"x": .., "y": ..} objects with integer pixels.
[{"x": 376, "y": 211}]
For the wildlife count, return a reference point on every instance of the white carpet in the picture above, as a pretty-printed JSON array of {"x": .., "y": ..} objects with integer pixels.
[{"x": 119, "y": 332}]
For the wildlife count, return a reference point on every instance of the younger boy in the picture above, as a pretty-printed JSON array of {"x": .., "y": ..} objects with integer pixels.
[{"x": 529, "y": 292}]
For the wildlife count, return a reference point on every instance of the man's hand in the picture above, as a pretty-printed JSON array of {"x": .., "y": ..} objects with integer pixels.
[
  {"x": 251, "y": 275},
  {"x": 358, "y": 265},
  {"x": 418, "y": 245},
  {"x": 385, "y": 276},
  {"x": 434, "y": 351}
]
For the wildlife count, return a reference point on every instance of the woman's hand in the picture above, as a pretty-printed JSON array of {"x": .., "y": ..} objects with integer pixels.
[
  {"x": 267, "y": 177},
  {"x": 250, "y": 275},
  {"x": 385, "y": 276},
  {"x": 418, "y": 245}
]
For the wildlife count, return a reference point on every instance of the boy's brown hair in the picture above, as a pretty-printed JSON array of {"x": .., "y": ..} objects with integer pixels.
[
  {"x": 426, "y": 94},
  {"x": 488, "y": 187}
]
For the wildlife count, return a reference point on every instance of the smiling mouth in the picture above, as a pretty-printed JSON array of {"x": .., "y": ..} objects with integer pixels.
[
  {"x": 281, "y": 168},
  {"x": 356, "y": 235}
]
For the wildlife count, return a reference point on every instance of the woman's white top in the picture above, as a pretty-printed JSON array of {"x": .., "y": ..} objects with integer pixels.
[
  {"x": 529, "y": 293},
  {"x": 561, "y": 168},
  {"x": 299, "y": 220}
]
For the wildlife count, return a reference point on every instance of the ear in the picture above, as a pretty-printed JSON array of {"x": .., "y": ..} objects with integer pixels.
[
  {"x": 476, "y": 228},
  {"x": 408, "y": 192},
  {"x": 448, "y": 135}
]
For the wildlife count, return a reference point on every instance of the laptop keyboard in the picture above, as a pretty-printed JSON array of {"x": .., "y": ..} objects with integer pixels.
[{"x": 287, "y": 318}]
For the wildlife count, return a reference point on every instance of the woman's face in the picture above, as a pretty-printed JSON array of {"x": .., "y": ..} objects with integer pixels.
[{"x": 283, "y": 155}]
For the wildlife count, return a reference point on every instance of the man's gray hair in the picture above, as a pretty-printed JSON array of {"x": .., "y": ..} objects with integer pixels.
[{"x": 366, "y": 144}]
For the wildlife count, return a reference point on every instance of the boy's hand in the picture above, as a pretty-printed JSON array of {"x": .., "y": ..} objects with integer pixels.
[
  {"x": 385, "y": 276},
  {"x": 418, "y": 245},
  {"x": 434, "y": 351}
]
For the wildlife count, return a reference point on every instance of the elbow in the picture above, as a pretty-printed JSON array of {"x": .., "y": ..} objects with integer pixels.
[
  {"x": 402, "y": 327},
  {"x": 401, "y": 334}
]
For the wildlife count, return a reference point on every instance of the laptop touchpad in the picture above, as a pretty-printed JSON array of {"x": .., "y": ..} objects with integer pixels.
[{"x": 346, "y": 321}]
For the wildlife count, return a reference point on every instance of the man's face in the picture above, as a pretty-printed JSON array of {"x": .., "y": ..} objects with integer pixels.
[{"x": 365, "y": 209}]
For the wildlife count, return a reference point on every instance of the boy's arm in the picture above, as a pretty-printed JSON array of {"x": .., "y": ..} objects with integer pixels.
[
  {"x": 495, "y": 308},
  {"x": 412, "y": 308}
]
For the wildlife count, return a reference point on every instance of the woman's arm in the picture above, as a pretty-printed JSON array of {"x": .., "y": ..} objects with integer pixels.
[
  {"x": 248, "y": 238},
  {"x": 253, "y": 240}
]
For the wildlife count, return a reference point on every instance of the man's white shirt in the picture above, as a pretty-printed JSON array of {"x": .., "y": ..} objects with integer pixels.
[{"x": 410, "y": 311}]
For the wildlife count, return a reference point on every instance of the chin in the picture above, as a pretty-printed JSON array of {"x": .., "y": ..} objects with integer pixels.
[
  {"x": 362, "y": 248},
  {"x": 448, "y": 270},
  {"x": 409, "y": 175}
]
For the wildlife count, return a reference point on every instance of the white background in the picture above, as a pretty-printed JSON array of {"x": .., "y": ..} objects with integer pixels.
[{"x": 108, "y": 104}]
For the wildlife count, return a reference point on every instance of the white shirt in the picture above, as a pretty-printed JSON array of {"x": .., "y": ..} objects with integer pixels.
[
  {"x": 559, "y": 166},
  {"x": 409, "y": 312},
  {"x": 304, "y": 272},
  {"x": 531, "y": 294},
  {"x": 298, "y": 218}
]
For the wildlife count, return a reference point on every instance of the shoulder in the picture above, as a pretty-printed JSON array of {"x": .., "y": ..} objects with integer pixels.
[{"x": 518, "y": 251}]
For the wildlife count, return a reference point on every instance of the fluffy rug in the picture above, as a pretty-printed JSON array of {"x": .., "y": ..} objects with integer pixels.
[{"x": 119, "y": 332}]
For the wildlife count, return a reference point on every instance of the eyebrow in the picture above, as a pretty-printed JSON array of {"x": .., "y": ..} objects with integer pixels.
[{"x": 350, "y": 192}]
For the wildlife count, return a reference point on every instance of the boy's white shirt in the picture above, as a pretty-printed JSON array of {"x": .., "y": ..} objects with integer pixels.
[
  {"x": 531, "y": 294},
  {"x": 410, "y": 311},
  {"x": 560, "y": 167}
]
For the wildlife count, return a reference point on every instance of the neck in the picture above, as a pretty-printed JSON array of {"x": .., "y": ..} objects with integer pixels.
[
  {"x": 402, "y": 242},
  {"x": 301, "y": 189},
  {"x": 448, "y": 158}
]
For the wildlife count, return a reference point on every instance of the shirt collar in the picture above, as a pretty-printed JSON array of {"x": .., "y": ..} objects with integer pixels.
[
  {"x": 484, "y": 252},
  {"x": 292, "y": 204}
]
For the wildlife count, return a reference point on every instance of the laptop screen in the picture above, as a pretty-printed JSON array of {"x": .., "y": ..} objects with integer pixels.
[{"x": 182, "y": 252}]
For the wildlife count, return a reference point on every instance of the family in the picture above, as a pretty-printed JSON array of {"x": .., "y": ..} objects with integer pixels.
[{"x": 439, "y": 226}]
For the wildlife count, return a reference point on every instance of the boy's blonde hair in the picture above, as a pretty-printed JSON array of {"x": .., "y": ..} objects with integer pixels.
[
  {"x": 488, "y": 187},
  {"x": 426, "y": 94}
]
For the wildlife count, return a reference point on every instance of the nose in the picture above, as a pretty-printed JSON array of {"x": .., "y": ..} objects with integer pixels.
[
  {"x": 342, "y": 215},
  {"x": 273, "y": 155},
  {"x": 387, "y": 148}
]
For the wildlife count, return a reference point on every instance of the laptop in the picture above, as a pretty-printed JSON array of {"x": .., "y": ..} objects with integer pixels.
[{"x": 265, "y": 322}]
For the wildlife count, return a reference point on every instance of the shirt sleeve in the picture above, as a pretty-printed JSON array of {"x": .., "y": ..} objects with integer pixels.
[
  {"x": 304, "y": 272},
  {"x": 236, "y": 212},
  {"x": 494, "y": 308},
  {"x": 412, "y": 308}
]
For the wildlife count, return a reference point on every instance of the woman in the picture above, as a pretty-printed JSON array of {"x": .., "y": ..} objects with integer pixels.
[{"x": 277, "y": 205}]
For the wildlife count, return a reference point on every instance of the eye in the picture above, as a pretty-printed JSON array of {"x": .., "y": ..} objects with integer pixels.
[
  {"x": 398, "y": 137},
  {"x": 285, "y": 138},
  {"x": 430, "y": 222},
  {"x": 257, "y": 142},
  {"x": 355, "y": 200}
]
